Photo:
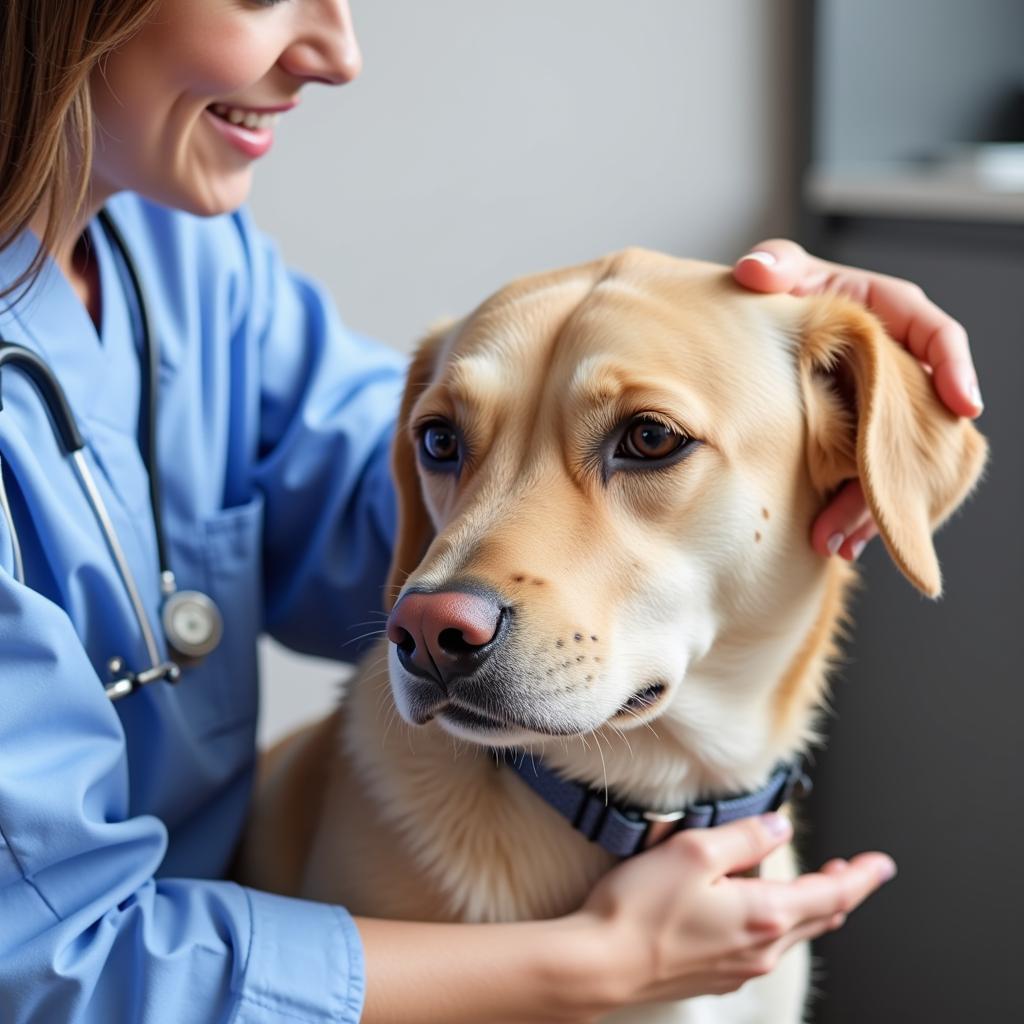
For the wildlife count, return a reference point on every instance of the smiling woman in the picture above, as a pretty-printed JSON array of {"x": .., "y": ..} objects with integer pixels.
[
  {"x": 206, "y": 80},
  {"x": 178, "y": 115}
]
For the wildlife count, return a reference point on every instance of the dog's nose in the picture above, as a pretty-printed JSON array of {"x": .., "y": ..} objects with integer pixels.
[{"x": 450, "y": 632}]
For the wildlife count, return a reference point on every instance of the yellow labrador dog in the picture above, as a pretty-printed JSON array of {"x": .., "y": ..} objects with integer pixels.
[{"x": 607, "y": 477}]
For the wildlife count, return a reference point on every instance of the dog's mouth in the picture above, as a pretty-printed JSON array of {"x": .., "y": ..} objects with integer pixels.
[
  {"x": 469, "y": 718},
  {"x": 639, "y": 705},
  {"x": 643, "y": 701},
  {"x": 474, "y": 720}
]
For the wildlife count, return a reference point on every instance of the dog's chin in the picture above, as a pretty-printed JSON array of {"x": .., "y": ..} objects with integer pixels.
[{"x": 484, "y": 731}]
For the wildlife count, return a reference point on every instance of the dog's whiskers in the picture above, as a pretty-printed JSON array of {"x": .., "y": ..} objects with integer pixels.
[
  {"x": 625, "y": 739},
  {"x": 604, "y": 767},
  {"x": 392, "y": 715},
  {"x": 382, "y": 698},
  {"x": 630, "y": 711},
  {"x": 372, "y": 666},
  {"x": 377, "y": 616},
  {"x": 363, "y": 636}
]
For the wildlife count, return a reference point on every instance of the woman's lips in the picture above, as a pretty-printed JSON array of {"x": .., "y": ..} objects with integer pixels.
[{"x": 252, "y": 142}]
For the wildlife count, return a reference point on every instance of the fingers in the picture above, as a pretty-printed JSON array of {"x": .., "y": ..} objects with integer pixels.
[
  {"x": 780, "y": 909},
  {"x": 932, "y": 336},
  {"x": 909, "y": 316},
  {"x": 845, "y": 525},
  {"x": 739, "y": 846},
  {"x": 836, "y": 866},
  {"x": 776, "y": 265}
]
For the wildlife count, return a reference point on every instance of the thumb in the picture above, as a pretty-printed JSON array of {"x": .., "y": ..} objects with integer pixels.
[
  {"x": 740, "y": 845},
  {"x": 776, "y": 265}
]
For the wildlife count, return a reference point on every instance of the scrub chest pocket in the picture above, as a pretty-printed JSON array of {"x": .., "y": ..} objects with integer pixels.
[{"x": 223, "y": 558}]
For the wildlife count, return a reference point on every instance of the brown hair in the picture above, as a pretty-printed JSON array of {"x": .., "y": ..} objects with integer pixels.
[{"x": 48, "y": 49}]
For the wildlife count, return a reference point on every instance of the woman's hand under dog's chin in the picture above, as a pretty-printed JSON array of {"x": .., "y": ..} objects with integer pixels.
[{"x": 673, "y": 923}]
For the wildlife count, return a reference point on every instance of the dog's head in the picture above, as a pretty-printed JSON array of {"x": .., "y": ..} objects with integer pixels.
[{"x": 607, "y": 477}]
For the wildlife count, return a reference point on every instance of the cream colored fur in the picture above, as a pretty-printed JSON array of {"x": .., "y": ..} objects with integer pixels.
[{"x": 698, "y": 577}]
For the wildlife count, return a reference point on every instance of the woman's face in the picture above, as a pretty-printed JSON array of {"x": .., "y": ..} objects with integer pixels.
[{"x": 185, "y": 107}]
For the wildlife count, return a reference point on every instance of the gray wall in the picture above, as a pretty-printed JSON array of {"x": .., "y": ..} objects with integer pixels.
[{"x": 489, "y": 140}]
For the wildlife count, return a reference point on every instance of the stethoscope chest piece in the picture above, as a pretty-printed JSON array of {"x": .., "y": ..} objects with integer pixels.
[{"x": 192, "y": 626}]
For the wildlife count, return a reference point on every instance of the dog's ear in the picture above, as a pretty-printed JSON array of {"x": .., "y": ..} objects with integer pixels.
[
  {"x": 872, "y": 412},
  {"x": 415, "y": 530}
]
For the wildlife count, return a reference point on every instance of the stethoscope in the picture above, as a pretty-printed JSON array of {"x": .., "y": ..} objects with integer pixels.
[{"x": 191, "y": 621}]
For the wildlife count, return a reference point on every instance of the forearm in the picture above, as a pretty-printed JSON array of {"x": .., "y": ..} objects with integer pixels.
[{"x": 539, "y": 971}]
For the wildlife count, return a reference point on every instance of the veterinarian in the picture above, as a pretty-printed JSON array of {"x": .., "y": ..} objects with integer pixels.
[{"x": 194, "y": 449}]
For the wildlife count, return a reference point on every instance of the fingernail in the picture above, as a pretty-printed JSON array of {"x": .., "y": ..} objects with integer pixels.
[
  {"x": 975, "y": 394},
  {"x": 766, "y": 259},
  {"x": 858, "y": 547},
  {"x": 776, "y": 824},
  {"x": 887, "y": 870},
  {"x": 835, "y": 542}
]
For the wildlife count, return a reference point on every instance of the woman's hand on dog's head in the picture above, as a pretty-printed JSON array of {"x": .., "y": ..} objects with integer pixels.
[
  {"x": 673, "y": 923},
  {"x": 910, "y": 317}
]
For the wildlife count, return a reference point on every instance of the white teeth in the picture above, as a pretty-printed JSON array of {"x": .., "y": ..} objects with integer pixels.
[{"x": 245, "y": 118}]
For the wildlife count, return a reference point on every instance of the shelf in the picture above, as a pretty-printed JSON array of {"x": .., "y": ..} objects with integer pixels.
[{"x": 909, "y": 191}]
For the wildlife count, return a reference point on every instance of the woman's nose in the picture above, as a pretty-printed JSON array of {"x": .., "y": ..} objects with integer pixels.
[{"x": 326, "y": 49}]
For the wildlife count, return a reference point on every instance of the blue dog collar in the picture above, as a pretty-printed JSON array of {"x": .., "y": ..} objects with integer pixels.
[{"x": 624, "y": 830}]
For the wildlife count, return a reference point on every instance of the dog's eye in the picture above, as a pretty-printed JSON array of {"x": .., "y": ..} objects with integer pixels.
[
  {"x": 648, "y": 439},
  {"x": 439, "y": 443}
]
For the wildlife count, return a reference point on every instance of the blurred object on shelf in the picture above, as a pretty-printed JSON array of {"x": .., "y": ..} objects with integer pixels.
[
  {"x": 1007, "y": 122},
  {"x": 998, "y": 166},
  {"x": 964, "y": 182}
]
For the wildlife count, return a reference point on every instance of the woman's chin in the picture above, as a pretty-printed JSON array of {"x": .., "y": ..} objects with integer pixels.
[{"x": 223, "y": 194}]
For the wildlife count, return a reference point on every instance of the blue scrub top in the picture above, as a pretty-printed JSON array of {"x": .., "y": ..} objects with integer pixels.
[{"x": 117, "y": 822}]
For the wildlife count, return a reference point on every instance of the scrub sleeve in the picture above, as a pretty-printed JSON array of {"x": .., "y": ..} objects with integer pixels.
[{"x": 94, "y": 927}]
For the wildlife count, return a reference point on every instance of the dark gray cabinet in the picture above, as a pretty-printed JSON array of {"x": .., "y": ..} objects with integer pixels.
[{"x": 925, "y": 757}]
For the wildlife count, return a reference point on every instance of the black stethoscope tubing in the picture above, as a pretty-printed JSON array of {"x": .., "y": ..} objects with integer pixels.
[{"x": 150, "y": 385}]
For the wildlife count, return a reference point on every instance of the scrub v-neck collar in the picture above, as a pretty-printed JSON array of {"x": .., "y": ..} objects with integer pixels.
[{"x": 97, "y": 366}]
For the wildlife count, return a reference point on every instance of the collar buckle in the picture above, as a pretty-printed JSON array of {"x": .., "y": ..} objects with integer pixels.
[{"x": 660, "y": 826}]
